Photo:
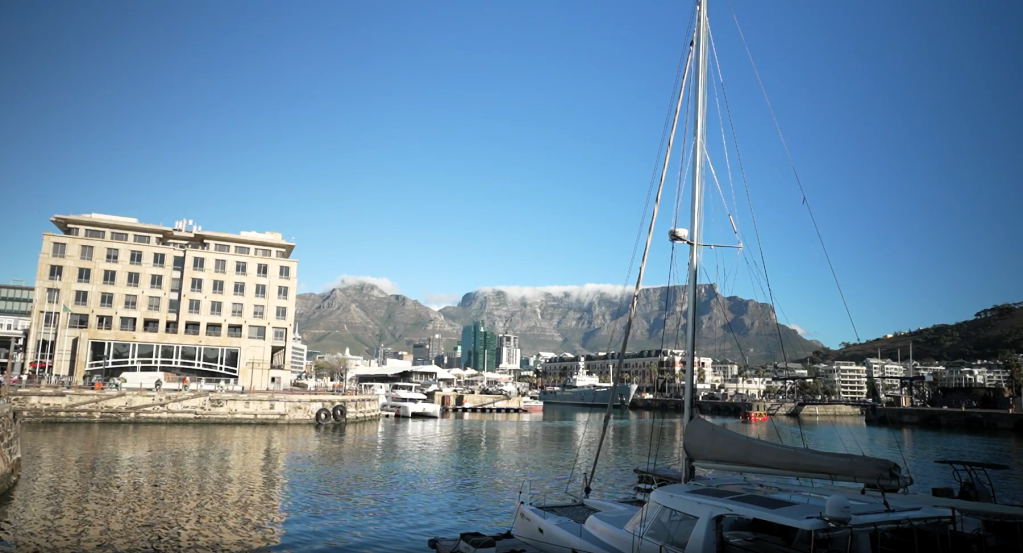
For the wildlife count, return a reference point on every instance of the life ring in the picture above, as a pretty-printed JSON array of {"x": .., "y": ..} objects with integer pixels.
[
  {"x": 323, "y": 416},
  {"x": 339, "y": 412}
]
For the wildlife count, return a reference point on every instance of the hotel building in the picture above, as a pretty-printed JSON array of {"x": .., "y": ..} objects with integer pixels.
[{"x": 115, "y": 295}]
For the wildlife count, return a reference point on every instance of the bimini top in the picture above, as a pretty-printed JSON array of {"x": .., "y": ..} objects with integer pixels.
[{"x": 715, "y": 447}]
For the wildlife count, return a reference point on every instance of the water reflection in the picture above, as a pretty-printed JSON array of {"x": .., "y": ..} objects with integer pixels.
[{"x": 379, "y": 486}]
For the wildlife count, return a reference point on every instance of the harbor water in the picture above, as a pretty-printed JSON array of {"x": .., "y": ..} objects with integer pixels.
[{"x": 381, "y": 486}]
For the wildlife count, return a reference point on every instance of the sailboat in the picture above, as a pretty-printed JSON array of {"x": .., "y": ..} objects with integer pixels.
[{"x": 730, "y": 513}]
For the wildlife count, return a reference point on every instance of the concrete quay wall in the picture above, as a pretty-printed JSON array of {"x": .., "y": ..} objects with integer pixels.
[
  {"x": 980, "y": 419},
  {"x": 450, "y": 400},
  {"x": 185, "y": 407},
  {"x": 10, "y": 447}
]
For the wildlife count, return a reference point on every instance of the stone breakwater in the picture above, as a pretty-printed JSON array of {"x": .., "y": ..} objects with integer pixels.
[
  {"x": 186, "y": 407},
  {"x": 10, "y": 447}
]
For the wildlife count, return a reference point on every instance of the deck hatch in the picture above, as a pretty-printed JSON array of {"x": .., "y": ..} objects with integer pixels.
[{"x": 764, "y": 501}]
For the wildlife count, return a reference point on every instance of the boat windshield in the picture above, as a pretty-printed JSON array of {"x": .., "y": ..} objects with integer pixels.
[
  {"x": 663, "y": 525},
  {"x": 742, "y": 534}
]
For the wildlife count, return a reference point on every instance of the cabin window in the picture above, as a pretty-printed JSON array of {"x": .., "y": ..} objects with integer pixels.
[{"x": 671, "y": 528}]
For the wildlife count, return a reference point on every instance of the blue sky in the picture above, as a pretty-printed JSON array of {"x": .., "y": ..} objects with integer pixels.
[{"x": 449, "y": 146}]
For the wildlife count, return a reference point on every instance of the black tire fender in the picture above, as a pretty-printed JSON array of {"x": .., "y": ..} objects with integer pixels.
[
  {"x": 323, "y": 416},
  {"x": 339, "y": 412}
]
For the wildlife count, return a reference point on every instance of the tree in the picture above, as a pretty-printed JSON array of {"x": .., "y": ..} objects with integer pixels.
[
  {"x": 330, "y": 367},
  {"x": 701, "y": 375},
  {"x": 1013, "y": 365}
]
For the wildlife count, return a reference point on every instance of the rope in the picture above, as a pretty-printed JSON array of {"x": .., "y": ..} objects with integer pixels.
[{"x": 792, "y": 165}]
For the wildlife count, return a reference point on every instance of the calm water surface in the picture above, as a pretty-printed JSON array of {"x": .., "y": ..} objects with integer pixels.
[{"x": 377, "y": 486}]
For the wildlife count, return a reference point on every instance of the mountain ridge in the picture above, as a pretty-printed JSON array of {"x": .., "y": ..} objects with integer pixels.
[{"x": 558, "y": 319}]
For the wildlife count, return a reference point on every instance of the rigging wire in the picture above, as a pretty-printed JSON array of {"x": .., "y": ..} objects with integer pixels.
[
  {"x": 749, "y": 201},
  {"x": 792, "y": 165}
]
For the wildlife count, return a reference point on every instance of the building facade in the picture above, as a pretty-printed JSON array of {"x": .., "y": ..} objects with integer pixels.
[
  {"x": 116, "y": 295},
  {"x": 509, "y": 355},
  {"x": 848, "y": 379},
  {"x": 479, "y": 347},
  {"x": 15, "y": 320}
]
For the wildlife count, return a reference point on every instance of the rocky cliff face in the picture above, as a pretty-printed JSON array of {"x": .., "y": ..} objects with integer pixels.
[{"x": 576, "y": 320}]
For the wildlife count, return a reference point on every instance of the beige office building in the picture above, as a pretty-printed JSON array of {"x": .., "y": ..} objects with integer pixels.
[{"x": 115, "y": 295}]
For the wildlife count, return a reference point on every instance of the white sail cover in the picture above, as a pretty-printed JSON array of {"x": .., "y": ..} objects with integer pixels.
[{"x": 715, "y": 447}]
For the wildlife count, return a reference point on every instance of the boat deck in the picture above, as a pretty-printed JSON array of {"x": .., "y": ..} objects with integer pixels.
[{"x": 505, "y": 544}]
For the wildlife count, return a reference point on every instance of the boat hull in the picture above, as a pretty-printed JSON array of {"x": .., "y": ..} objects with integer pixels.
[
  {"x": 594, "y": 397},
  {"x": 409, "y": 410}
]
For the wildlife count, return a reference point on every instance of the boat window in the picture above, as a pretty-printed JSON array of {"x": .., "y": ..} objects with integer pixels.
[
  {"x": 641, "y": 518},
  {"x": 671, "y": 528}
]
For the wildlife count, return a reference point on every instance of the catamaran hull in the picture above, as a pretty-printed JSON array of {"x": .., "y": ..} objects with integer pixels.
[
  {"x": 593, "y": 397},
  {"x": 553, "y": 534},
  {"x": 409, "y": 410}
]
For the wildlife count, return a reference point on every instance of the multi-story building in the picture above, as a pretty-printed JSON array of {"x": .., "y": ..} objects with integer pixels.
[
  {"x": 848, "y": 379},
  {"x": 646, "y": 368},
  {"x": 556, "y": 369},
  {"x": 116, "y": 295},
  {"x": 15, "y": 319},
  {"x": 508, "y": 353},
  {"x": 479, "y": 347},
  {"x": 299, "y": 356},
  {"x": 885, "y": 372}
]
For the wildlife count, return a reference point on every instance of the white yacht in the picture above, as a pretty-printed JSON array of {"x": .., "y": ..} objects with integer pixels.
[
  {"x": 405, "y": 400},
  {"x": 586, "y": 389},
  {"x": 378, "y": 389}
]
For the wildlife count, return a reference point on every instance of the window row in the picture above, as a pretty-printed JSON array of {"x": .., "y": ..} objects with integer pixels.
[
  {"x": 132, "y": 355},
  {"x": 130, "y": 324},
  {"x": 241, "y": 268},
  {"x": 220, "y": 266},
  {"x": 155, "y": 304},
  {"x": 118, "y": 236},
  {"x": 59, "y": 249}
]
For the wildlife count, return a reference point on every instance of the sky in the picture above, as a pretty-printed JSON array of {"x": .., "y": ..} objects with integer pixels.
[{"x": 442, "y": 147}]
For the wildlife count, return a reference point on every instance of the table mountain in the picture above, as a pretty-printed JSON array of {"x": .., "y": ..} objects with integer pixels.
[{"x": 572, "y": 319}]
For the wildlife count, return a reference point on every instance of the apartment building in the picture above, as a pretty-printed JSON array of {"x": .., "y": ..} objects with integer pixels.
[
  {"x": 886, "y": 372},
  {"x": 15, "y": 319},
  {"x": 114, "y": 295},
  {"x": 847, "y": 377}
]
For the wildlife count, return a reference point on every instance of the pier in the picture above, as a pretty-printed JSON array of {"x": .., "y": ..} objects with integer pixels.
[
  {"x": 72, "y": 405},
  {"x": 451, "y": 402},
  {"x": 735, "y": 408},
  {"x": 979, "y": 419}
]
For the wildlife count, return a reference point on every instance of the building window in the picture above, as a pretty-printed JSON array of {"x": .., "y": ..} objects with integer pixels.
[
  {"x": 109, "y": 277},
  {"x": 135, "y": 257},
  {"x": 234, "y": 331},
  {"x": 106, "y": 300},
  {"x": 216, "y": 308},
  {"x": 101, "y": 234},
  {"x": 119, "y": 236},
  {"x": 239, "y": 268},
  {"x": 104, "y": 322},
  {"x": 257, "y": 311},
  {"x": 133, "y": 280},
  {"x": 282, "y": 292},
  {"x": 81, "y": 298},
  {"x": 127, "y": 324},
  {"x": 151, "y": 325},
  {"x": 131, "y": 301},
  {"x": 199, "y": 264},
  {"x": 159, "y": 259},
  {"x": 156, "y": 282},
  {"x": 241, "y": 250},
  {"x": 212, "y": 329},
  {"x": 77, "y": 320},
  {"x": 171, "y": 327},
  {"x": 261, "y": 252},
  {"x": 58, "y": 249},
  {"x": 173, "y": 306},
  {"x": 239, "y": 288},
  {"x": 223, "y": 248},
  {"x": 279, "y": 254},
  {"x": 196, "y": 285},
  {"x": 154, "y": 303},
  {"x": 261, "y": 290},
  {"x": 257, "y": 332},
  {"x": 262, "y": 270},
  {"x": 220, "y": 266},
  {"x": 280, "y": 334},
  {"x": 85, "y": 253},
  {"x": 285, "y": 272},
  {"x": 178, "y": 262},
  {"x": 142, "y": 239},
  {"x": 112, "y": 254},
  {"x": 84, "y": 275},
  {"x": 56, "y": 272},
  {"x": 218, "y": 286},
  {"x": 52, "y": 296},
  {"x": 194, "y": 307},
  {"x": 282, "y": 313},
  {"x": 191, "y": 329},
  {"x": 175, "y": 284},
  {"x": 49, "y": 320},
  {"x": 236, "y": 309}
]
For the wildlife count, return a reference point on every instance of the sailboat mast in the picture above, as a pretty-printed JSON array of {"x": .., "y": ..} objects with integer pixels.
[{"x": 699, "y": 146}]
